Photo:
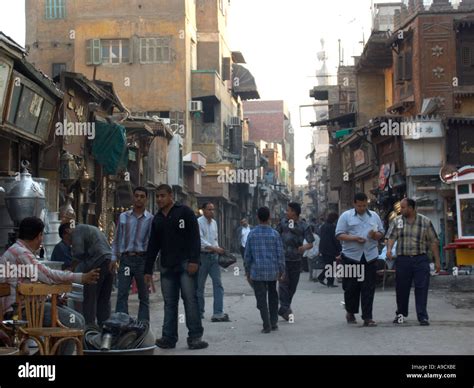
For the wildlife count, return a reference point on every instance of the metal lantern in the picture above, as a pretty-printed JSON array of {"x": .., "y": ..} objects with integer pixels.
[
  {"x": 25, "y": 199},
  {"x": 69, "y": 168}
]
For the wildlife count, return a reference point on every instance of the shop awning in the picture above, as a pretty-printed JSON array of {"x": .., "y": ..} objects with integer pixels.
[{"x": 246, "y": 87}]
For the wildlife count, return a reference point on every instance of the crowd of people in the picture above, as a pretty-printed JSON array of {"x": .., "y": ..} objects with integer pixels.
[{"x": 187, "y": 249}]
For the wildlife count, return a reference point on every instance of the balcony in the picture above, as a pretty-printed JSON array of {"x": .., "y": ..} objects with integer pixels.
[{"x": 205, "y": 83}]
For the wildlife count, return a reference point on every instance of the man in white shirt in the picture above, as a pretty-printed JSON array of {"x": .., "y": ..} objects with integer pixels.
[
  {"x": 242, "y": 234},
  {"x": 210, "y": 252}
]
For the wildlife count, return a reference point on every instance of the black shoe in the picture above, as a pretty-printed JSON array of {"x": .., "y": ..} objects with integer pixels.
[
  {"x": 424, "y": 322},
  {"x": 274, "y": 327},
  {"x": 225, "y": 318},
  {"x": 266, "y": 331},
  {"x": 322, "y": 282},
  {"x": 164, "y": 343},
  {"x": 399, "y": 319},
  {"x": 197, "y": 343},
  {"x": 285, "y": 315}
]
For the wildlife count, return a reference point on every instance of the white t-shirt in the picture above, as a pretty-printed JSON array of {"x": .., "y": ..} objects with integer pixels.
[{"x": 245, "y": 234}]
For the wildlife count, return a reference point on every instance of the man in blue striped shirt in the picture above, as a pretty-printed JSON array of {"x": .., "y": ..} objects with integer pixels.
[
  {"x": 130, "y": 244},
  {"x": 264, "y": 265}
]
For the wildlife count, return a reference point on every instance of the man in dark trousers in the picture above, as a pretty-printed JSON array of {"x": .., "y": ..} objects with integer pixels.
[
  {"x": 415, "y": 234},
  {"x": 293, "y": 232},
  {"x": 91, "y": 248},
  {"x": 329, "y": 247},
  {"x": 359, "y": 229},
  {"x": 265, "y": 264},
  {"x": 175, "y": 234}
]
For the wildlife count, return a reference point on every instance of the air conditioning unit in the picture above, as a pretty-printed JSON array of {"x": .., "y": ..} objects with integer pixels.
[
  {"x": 234, "y": 121},
  {"x": 195, "y": 106}
]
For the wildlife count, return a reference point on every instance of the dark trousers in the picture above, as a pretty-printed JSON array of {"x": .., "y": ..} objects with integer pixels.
[
  {"x": 133, "y": 267},
  {"x": 172, "y": 282},
  {"x": 242, "y": 251},
  {"x": 268, "y": 310},
  {"x": 287, "y": 287},
  {"x": 409, "y": 269},
  {"x": 328, "y": 260},
  {"x": 96, "y": 305},
  {"x": 356, "y": 291}
]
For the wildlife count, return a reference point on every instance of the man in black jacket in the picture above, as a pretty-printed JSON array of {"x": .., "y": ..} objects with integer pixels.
[
  {"x": 175, "y": 233},
  {"x": 329, "y": 247}
]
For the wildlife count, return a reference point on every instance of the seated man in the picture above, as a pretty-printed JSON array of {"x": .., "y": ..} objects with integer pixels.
[{"x": 20, "y": 265}]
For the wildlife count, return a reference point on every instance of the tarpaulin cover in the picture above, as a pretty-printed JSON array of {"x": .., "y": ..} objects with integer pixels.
[{"x": 110, "y": 147}]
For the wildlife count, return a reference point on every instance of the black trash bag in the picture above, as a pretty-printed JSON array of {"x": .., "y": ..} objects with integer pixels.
[{"x": 119, "y": 332}]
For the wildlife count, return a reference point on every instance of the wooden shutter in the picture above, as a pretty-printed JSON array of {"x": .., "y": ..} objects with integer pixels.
[
  {"x": 399, "y": 68},
  {"x": 226, "y": 68},
  {"x": 408, "y": 66},
  {"x": 93, "y": 52}
]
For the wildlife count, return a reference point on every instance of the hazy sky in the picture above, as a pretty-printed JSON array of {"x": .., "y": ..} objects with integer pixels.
[{"x": 280, "y": 40}]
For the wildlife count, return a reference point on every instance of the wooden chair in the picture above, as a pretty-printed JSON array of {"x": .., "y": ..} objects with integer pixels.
[
  {"x": 385, "y": 272},
  {"x": 5, "y": 334},
  {"x": 32, "y": 298},
  {"x": 4, "y": 291}
]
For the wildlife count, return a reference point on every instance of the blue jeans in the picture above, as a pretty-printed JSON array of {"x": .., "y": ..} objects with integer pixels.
[
  {"x": 172, "y": 281},
  {"x": 132, "y": 267},
  {"x": 210, "y": 266}
]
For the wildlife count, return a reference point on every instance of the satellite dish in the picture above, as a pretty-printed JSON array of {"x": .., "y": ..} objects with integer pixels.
[{"x": 447, "y": 172}]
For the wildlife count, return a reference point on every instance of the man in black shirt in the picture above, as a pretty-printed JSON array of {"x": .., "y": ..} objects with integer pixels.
[
  {"x": 329, "y": 247},
  {"x": 175, "y": 234}
]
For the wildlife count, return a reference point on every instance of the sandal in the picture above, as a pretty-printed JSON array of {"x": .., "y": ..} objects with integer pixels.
[{"x": 350, "y": 318}]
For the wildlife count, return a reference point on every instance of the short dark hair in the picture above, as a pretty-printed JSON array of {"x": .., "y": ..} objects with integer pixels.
[
  {"x": 263, "y": 214},
  {"x": 165, "y": 187},
  {"x": 205, "y": 205},
  {"x": 411, "y": 203},
  {"x": 360, "y": 197},
  {"x": 30, "y": 228},
  {"x": 140, "y": 188},
  {"x": 62, "y": 229},
  {"x": 296, "y": 207},
  {"x": 332, "y": 218}
]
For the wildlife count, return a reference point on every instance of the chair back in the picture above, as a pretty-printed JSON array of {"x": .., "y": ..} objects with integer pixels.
[{"x": 32, "y": 298}]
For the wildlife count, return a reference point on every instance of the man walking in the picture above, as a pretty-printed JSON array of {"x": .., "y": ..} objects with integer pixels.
[
  {"x": 175, "y": 234},
  {"x": 265, "y": 264},
  {"x": 210, "y": 252},
  {"x": 359, "y": 229},
  {"x": 242, "y": 235},
  {"x": 130, "y": 244},
  {"x": 293, "y": 232},
  {"x": 329, "y": 247},
  {"x": 414, "y": 234}
]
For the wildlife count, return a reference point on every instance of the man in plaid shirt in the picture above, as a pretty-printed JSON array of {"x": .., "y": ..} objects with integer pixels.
[{"x": 264, "y": 265}]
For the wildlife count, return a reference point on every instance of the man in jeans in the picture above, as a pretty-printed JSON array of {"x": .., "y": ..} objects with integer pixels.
[
  {"x": 415, "y": 235},
  {"x": 265, "y": 264},
  {"x": 210, "y": 252},
  {"x": 293, "y": 232},
  {"x": 359, "y": 230},
  {"x": 131, "y": 243},
  {"x": 175, "y": 234}
]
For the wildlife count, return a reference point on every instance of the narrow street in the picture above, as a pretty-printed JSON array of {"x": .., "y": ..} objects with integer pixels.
[{"x": 319, "y": 326}]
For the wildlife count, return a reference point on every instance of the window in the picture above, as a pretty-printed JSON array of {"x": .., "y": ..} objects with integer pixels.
[
  {"x": 108, "y": 51},
  {"x": 155, "y": 50},
  {"x": 55, "y": 9},
  {"x": 58, "y": 68},
  {"x": 404, "y": 67},
  {"x": 115, "y": 51},
  {"x": 467, "y": 216}
]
